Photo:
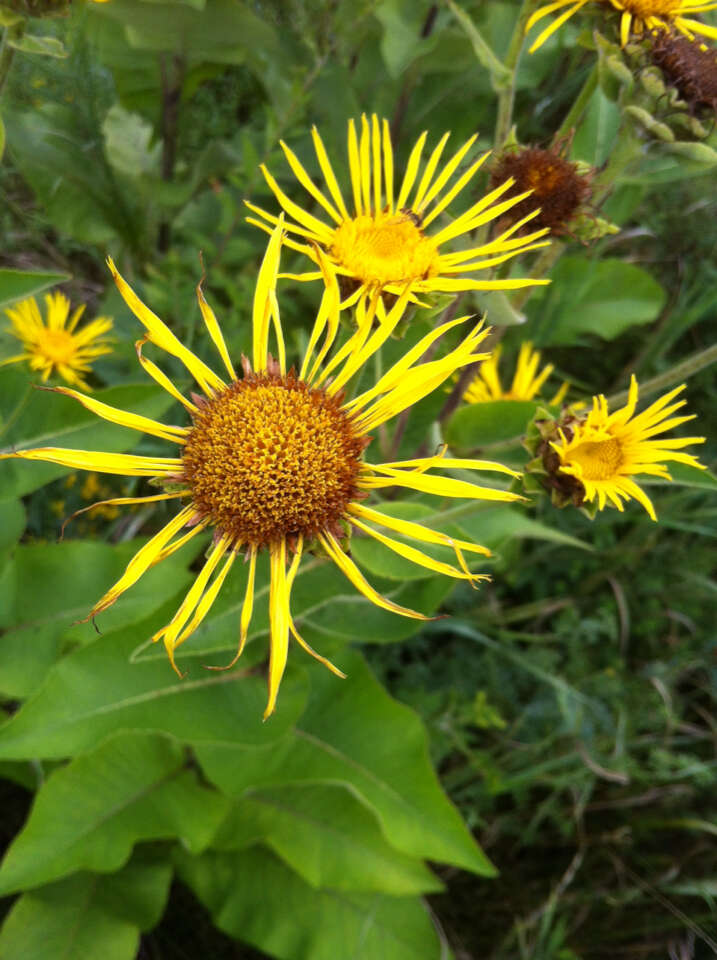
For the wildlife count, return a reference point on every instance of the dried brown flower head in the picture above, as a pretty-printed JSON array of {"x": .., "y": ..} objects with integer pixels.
[
  {"x": 559, "y": 189},
  {"x": 689, "y": 66}
]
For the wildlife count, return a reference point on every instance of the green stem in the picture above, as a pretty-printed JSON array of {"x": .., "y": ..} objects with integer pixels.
[
  {"x": 506, "y": 94},
  {"x": 7, "y": 51},
  {"x": 681, "y": 371},
  {"x": 575, "y": 113}
]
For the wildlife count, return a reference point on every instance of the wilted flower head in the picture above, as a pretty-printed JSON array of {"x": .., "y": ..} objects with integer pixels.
[
  {"x": 635, "y": 17},
  {"x": 273, "y": 460},
  {"x": 689, "y": 66},
  {"x": 382, "y": 242},
  {"x": 57, "y": 345},
  {"x": 598, "y": 455},
  {"x": 527, "y": 380},
  {"x": 559, "y": 190}
]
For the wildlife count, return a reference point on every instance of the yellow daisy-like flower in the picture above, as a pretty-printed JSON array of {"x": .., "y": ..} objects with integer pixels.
[
  {"x": 527, "y": 380},
  {"x": 605, "y": 450},
  {"x": 56, "y": 345},
  {"x": 383, "y": 242},
  {"x": 273, "y": 459},
  {"x": 635, "y": 17}
]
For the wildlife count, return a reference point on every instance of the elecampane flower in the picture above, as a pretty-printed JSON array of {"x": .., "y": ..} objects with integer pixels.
[
  {"x": 273, "y": 459},
  {"x": 383, "y": 242},
  {"x": 635, "y": 17},
  {"x": 527, "y": 380},
  {"x": 605, "y": 451},
  {"x": 56, "y": 345}
]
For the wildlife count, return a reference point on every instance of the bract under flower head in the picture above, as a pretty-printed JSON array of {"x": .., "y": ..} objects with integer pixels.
[
  {"x": 527, "y": 380},
  {"x": 57, "y": 345},
  {"x": 636, "y": 16},
  {"x": 383, "y": 243},
  {"x": 272, "y": 460},
  {"x": 604, "y": 451}
]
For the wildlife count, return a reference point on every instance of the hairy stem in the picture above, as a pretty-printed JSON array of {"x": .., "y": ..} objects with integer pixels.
[{"x": 681, "y": 371}]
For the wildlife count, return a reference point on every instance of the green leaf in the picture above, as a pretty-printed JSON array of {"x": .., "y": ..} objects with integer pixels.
[
  {"x": 37, "y": 418},
  {"x": 341, "y": 738},
  {"x": 128, "y": 143},
  {"x": 327, "y": 836},
  {"x": 495, "y": 525},
  {"x": 43, "y": 46},
  {"x": 255, "y": 898},
  {"x": 89, "y": 814},
  {"x": 19, "y": 284},
  {"x": 12, "y": 524},
  {"x": 688, "y": 476},
  {"x": 99, "y": 690},
  {"x": 48, "y": 573},
  {"x": 601, "y": 297},
  {"x": 2, "y": 140},
  {"x": 596, "y": 133},
  {"x": 87, "y": 916},
  {"x": 481, "y": 424},
  {"x": 401, "y": 40}
]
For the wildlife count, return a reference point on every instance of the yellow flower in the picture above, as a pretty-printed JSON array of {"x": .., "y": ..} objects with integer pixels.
[
  {"x": 635, "y": 16},
  {"x": 273, "y": 459},
  {"x": 605, "y": 450},
  {"x": 56, "y": 345},
  {"x": 526, "y": 384},
  {"x": 383, "y": 243}
]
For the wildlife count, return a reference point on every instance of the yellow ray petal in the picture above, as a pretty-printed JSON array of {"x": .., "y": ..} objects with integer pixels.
[
  {"x": 125, "y": 419},
  {"x": 142, "y": 560},
  {"x": 438, "y": 486},
  {"x": 162, "y": 336},
  {"x": 307, "y": 183},
  {"x": 355, "y": 169},
  {"x": 279, "y": 618},
  {"x": 215, "y": 331},
  {"x": 264, "y": 304},
  {"x": 409, "y": 177},
  {"x": 123, "y": 464},
  {"x": 352, "y": 572},
  {"x": 161, "y": 378},
  {"x": 415, "y": 530},
  {"x": 328, "y": 172},
  {"x": 388, "y": 165},
  {"x": 207, "y": 601},
  {"x": 319, "y": 230}
]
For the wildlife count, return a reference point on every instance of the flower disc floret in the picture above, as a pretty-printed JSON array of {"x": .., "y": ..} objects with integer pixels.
[
  {"x": 385, "y": 249},
  {"x": 271, "y": 458}
]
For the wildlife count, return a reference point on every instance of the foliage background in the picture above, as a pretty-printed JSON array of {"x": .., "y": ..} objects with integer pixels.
[{"x": 568, "y": 707}]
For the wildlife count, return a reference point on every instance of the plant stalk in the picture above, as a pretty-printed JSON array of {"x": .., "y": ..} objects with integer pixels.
[{"x": 681, "y": 371}]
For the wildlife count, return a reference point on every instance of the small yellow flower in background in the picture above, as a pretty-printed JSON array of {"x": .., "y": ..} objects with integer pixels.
[
  {"x": 603, "y": 451},
  {"x": 273, "y": 459},
  {"x": 382, "y": 244},
  {"x": 527, "y": 380},
  {"x": 635, "y": 17},
  {"x": 55, "y": 345}
]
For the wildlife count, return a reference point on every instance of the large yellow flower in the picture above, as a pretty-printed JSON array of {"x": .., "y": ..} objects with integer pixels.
[
  {"x": 55, "y": 345},
  {"x": 273, "y": 459},
  {"x": 383, "y": 242},
  {"x": 635, "y": 16},
  {"x": 527, "y": 380},
  {"x": 604, "y": 451}
]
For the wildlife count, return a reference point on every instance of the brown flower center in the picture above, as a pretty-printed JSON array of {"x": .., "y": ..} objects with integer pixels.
[
  {"x": 642, "y": 9},
  {"x": 271, "y": 458}
]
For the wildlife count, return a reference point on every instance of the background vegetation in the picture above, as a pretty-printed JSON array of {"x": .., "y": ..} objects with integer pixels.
[{"x": 567, "y": 707}]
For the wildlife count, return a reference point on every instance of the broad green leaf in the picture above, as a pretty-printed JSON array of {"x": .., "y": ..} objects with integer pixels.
[
  {"x": 42, "y": 46},
  {"x": 401, "y": 40},
  {"x": 496, "y": 524},
  {"x": 689, "y": 476},
  {"x": 327, "y": 836},
  {"x": 99, "y": 690},
  {"x": 600, "y": 297},
  {"x": 89, "y": 814},
  {"x": 19, "y": 284},
  {"x": 48, "y": 587},
  {"x": 12, "y": 524},
  {"x": 37, "y": 418},
  {"x": 86, "y": 916},
  {"x": 596, "y": 132},
  {"x": 256, "y": 898},
  {"x": 481, "y": 424},
  {"x": 128, "y": 143},
  {"x": 341, "y": 738}
]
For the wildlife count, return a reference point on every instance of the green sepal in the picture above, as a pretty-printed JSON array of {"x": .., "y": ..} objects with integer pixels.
[{"x": 645, "y": 119}]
